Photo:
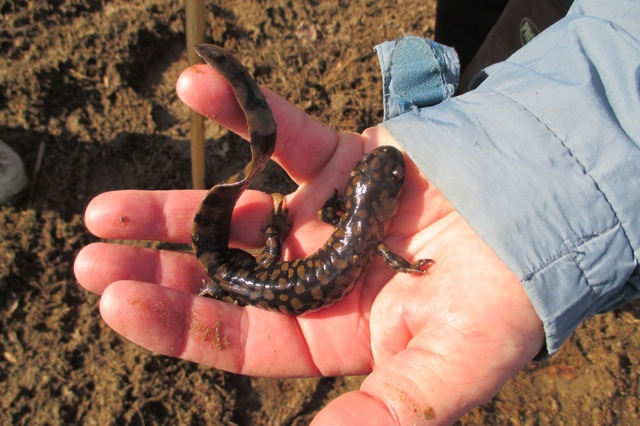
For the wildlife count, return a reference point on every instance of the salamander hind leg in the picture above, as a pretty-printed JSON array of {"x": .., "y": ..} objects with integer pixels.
[
  {"x": 400, "y": 264},
  {"x": 275, "y": 232},
  {"x": 213, "y": 290}
]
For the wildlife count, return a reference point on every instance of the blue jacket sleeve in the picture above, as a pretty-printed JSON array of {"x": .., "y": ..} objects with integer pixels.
[{"x": 543, "y": 160}]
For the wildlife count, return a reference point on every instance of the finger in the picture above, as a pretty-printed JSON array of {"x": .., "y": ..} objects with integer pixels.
[
  {"x": 168, "y": 216},
  {"x": 127, "y": 276},
  {"x": 210, "y": 332},
  {"x": 312, "y": 195},
  {"x": 355, "y": 409},
  {"x": 304, "y": 144},
  {"x": 100, "y": 264}
]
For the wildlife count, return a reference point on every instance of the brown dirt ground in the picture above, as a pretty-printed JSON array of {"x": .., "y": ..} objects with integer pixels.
[{"x": 92, "y": 84}]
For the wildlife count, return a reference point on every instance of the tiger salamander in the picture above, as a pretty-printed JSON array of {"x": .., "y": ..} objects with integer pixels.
[{"x": 322, "y": 278}]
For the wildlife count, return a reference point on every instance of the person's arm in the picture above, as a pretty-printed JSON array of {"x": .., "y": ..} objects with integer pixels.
[
  {"x": 433, "y": 346},
  {"x": 543, "y": 160}
]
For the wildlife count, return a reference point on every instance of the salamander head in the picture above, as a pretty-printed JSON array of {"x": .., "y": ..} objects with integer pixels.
[{"x": 377, "y": 182}]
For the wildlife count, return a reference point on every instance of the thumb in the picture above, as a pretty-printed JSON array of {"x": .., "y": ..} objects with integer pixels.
[{"x": 417, "y": 385}]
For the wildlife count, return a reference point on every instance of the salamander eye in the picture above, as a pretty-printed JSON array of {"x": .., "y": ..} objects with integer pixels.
[{"x": 398, "y": 172}]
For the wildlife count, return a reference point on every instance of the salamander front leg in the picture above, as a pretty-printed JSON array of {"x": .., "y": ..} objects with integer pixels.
[
  {"x": 400, "y": 264},
  {"x": 332, "y": 210}
]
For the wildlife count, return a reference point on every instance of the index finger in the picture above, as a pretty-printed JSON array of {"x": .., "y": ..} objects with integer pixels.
[{"x": 304, "y": 144}]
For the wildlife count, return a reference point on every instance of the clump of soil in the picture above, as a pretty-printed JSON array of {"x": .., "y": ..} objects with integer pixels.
[{"x": 91, "y": 85}]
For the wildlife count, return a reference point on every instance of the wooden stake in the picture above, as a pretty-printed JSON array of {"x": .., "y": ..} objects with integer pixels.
[{"x": 195, "y": 35}]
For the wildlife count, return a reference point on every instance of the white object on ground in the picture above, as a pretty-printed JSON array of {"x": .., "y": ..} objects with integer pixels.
[{"x": 13, "y": 178}]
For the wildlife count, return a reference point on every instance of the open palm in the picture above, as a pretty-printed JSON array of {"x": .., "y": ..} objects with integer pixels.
[{"x": 434, "y": 345}]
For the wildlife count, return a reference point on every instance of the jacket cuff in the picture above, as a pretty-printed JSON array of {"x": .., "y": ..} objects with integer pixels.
[{"x": 525, "y": 193}]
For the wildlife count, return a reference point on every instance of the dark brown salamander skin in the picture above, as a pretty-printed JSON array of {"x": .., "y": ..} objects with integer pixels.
[{"x": 328, "y": 275}]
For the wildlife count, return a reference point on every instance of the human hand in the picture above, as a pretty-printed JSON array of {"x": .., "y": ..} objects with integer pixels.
[{"x": 434, "y": 345}]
